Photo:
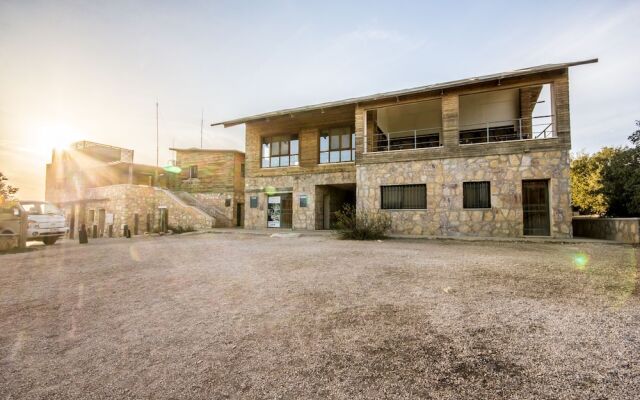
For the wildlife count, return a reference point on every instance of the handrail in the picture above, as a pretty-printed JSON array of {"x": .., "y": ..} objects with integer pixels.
[
  {"x": 414, "y": 139},
  {"x": 507, "y": 130}
]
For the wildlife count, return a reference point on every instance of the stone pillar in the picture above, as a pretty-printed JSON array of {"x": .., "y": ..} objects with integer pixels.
[
  {"x": 450, "y": 114},
  {"x": 560, "y": 98}
]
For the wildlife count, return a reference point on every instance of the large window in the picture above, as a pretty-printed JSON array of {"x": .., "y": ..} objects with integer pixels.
[
  {"x": 337, "y": 145},
  {"x": 280, "y": 151},
  {"x": 404, "y": 197},
  {"x": 476, "y": 194}
]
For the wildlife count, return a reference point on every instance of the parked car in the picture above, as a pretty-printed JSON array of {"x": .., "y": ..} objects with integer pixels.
[{"x": 46, "y": 221}]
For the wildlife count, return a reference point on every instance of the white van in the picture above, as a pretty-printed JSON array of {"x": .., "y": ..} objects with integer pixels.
[{"x": 46, "y": 221}]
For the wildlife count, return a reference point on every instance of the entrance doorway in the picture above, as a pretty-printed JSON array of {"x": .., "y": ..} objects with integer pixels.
[
  {"x": 101, "y": 221},
  {"x": 240, "y": 214},
  {"x": 164, "y": 219},
  {"x": 535, "y": 206},
  {"x": 280, "y": 210},
  {"x": 329, "y": 200}
]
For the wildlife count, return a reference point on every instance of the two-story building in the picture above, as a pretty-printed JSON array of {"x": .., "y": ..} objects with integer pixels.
[{"x": 485, "y": 156}]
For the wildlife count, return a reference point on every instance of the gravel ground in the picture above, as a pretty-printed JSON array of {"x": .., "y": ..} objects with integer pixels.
[{"x": 244, "y": 316}]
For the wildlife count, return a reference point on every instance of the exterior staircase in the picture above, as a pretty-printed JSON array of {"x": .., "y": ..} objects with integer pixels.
[{"x": 222, "y": 220}]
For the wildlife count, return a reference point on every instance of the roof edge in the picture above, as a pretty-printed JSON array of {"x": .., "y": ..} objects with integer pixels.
[
  {"x": 206, "y": 150},
  {"x": 403, "y": 92}
]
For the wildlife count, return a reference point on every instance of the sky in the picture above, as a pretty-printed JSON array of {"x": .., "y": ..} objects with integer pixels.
[{"x": 72, "y": 70}]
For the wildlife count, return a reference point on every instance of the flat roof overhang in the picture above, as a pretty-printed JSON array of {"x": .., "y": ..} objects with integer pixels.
[{"x": 404, "y": 92}]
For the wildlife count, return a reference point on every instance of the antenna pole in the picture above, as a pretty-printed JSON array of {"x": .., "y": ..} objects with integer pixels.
[
  {"x": 157, "y": 143},
  {"x": 201, "y": 126}
]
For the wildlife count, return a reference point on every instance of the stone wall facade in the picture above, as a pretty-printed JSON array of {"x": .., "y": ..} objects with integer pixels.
[
  {"x": 220, "y": 178},
  {"x": 128, "y": 203},
  {"x": 625, "y": 230},
  {"x": 298, "y": 185},
  {"x": 445, "y": 215},
  {"x": 225, "y": 202}
]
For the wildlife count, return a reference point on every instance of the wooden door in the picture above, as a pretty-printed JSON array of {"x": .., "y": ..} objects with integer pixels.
[
  {"x": 535, "y": 206},
  {"x": 287, "y": 210},
  {"x": 240, "y": 214}
]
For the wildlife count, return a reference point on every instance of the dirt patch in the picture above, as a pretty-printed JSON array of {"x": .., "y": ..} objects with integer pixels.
[{"x": 244, "y": 316}]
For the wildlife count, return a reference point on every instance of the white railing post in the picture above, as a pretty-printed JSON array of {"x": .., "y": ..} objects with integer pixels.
[
  {"x": 388, "y": 141},
  {"x": 520, "y": 126},
  {"x": 415, "y": 139},
  {"x": 487, "y": 131}
]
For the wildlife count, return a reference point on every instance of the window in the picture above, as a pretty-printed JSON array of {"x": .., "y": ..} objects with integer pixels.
[
  {"x": 253, "y": 202},
  {"x": 476, "y": 194},
  {"x": 404, "y": 197},
  {"x": 337, "y": 145},
  {"x": 227, "y": 202},
  {"x": 280, "y": 151},
  {"x": 193, "y": 172}
]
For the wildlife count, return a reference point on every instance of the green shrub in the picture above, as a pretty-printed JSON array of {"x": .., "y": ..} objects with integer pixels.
[{"x": 361, "y": 225}]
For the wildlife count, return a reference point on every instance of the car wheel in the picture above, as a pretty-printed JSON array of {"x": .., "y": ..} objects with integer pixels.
[{"x": 49, "y": 240}]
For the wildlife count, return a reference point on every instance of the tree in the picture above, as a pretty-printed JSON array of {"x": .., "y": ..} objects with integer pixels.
[
  {"x": 621, "y": 179},
  {"x": 586, "y": 181},
  {"x": 6, "y": 191}
]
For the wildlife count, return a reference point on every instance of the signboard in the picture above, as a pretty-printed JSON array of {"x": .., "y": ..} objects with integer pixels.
[
  {"x": 274, "y": 212},
  {"x": 108, "y": 219},
  {"x": 303, "y": 200}
]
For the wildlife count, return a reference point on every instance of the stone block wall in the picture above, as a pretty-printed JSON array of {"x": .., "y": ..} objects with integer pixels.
[
  {"x": 304, "y": 184},
  {"x": 125, "y": 201},
  {"x": 445, "y": 215},
  {"x": 218, "y": 201},
  {"x": 625, "y": 230}
]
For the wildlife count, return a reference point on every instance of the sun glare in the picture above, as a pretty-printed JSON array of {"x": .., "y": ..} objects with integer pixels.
[{"x": 55, "y": 137}]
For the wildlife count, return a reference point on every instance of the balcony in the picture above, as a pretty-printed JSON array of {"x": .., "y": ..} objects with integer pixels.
[
  {"x": 406, "y": 140},
  {"x": 415, "y": 125},
  {"x": 532, "y": 128}
]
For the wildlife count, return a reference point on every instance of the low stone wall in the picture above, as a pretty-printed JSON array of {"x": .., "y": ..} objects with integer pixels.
[
  {"x": 218, "y": 201},
  {"x": 625, "y": 230},
  {"x": 128, "y": 203},
  {"x": 8, "y": 242}
]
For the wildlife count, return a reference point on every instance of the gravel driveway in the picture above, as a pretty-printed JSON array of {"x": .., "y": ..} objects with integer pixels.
[{"x": 242, "y": 316}]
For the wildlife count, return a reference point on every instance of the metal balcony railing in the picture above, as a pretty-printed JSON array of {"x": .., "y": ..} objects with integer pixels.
[
  {"x": 539, "y": 127},
  {"x": 407, "y": 140}
]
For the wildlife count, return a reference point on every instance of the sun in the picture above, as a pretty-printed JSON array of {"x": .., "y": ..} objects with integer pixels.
[{"x": 56, "y": 136}]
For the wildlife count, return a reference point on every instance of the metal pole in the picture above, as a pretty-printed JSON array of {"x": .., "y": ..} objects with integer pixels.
[
  {"x": 201, "y": 127},
  {"x": 415, "y": 139},
  {"x": 157, "y": 146}
]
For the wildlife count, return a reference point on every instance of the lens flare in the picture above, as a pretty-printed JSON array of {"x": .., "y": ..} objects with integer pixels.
[
  {"x": 580, "y": 260},
  {"x": 173, "y": 169}
]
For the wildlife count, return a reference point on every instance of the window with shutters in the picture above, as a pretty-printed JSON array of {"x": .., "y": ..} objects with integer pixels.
[
  {"x": 404, "y": 197},
  {"x": 476, "y": 194}
]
